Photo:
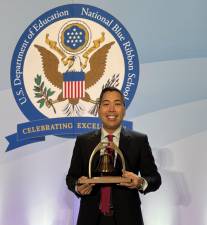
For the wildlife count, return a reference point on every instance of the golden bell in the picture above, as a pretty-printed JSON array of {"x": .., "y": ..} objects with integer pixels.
[{"x": 105, "y": 166}]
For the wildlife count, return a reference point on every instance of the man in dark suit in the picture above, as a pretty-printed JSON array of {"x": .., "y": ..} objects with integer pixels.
[{"x": 140, "y": 168}]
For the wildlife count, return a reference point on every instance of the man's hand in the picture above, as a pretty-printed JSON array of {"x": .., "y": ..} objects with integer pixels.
[
  {"x": 84, "y": 189},
  {"x": 136, "y": 181}
]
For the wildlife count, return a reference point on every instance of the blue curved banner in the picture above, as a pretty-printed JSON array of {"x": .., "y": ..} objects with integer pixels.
[{"x": 68, "y": 127}]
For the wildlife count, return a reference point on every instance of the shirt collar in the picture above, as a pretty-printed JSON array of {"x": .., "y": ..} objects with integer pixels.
[{"x": 116, "y": 133}]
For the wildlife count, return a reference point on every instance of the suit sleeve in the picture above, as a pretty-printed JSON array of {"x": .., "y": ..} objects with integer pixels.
[
  {"x": 148, "y": 168},
  {"x": 75, "y": 170}
]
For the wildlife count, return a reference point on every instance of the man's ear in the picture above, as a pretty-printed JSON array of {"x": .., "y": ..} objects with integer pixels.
[
  {"x": 124, "y": 111},
  {"x": 98, "y": 110}
]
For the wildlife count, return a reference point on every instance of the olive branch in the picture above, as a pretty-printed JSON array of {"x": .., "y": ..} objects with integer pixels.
[{"x": 43, "y": 93}]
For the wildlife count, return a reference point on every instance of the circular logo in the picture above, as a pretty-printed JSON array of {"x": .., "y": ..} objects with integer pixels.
[
  {"x": 66, "y": 57},
  {"x": 74, "y": 37}
]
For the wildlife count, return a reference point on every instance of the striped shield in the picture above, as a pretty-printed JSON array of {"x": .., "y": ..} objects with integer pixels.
[{"x": 74, "y": 85}]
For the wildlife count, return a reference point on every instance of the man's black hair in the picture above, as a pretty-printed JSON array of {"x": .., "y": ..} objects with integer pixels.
[{"x": 111, "y": 89}]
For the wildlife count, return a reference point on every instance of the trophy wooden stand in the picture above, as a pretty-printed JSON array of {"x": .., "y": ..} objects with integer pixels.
[{"x": 105, "y": 180}]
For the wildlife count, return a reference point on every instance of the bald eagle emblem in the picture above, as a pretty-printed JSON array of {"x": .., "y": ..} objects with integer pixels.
[{"x": 75, "y": 56}]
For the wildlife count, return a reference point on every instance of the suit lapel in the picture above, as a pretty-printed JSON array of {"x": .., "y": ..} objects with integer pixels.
[
  {"x": 94, "y": 140},
  {"x": 124, "y": 144},
  {"x": 124, "y": 140}
]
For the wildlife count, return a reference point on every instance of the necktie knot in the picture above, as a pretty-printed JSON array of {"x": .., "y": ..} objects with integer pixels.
[{"x": 110, "y": 137}]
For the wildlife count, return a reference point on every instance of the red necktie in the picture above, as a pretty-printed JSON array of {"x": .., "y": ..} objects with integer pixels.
[
  {"x": 108, "y": 149},
  {"x": 106, "y": 191}
]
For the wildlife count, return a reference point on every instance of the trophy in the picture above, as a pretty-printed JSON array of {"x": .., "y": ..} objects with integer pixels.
[{"x": 105, "y": 169}]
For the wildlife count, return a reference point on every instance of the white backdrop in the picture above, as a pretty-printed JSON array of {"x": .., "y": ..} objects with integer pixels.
[{"x": 170, "y": 105}]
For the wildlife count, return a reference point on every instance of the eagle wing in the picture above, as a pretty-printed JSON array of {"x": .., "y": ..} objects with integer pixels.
[
  {"x": 50, "y": 66},
  {"x": 97, "y": 65}
]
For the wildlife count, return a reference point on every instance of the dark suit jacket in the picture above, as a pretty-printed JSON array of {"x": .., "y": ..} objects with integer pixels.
[{"x": 126, "y": 202}]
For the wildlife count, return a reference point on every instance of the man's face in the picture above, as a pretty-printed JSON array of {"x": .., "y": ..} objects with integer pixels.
[{"x": 111, "y": 110}]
